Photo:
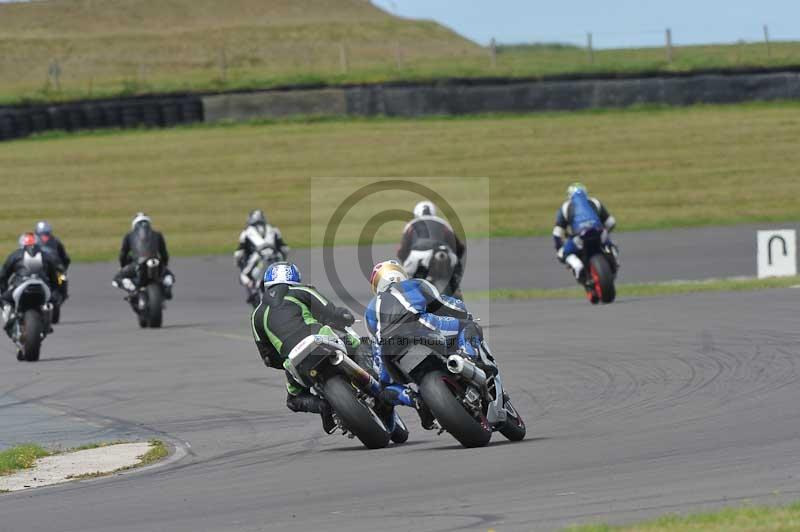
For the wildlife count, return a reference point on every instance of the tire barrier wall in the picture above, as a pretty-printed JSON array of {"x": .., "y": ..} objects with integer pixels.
[
  {"x": 505, "y": 97},
  {"x": 444, "y": 98},
  {"x": 21, "y": 121}
]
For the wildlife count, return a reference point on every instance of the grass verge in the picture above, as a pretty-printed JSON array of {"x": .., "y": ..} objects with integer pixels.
[
  {"x": 748, "y": 519},
  {"x": 655, "y": 169},
  {"x": 642, "y": 289},
  {"x": 25, "y": 456},
  {"x": 20, "y": 457},
  {"x": 158, "y": 450}
]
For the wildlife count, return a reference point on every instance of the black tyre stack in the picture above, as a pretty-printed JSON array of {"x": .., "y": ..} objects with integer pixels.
[{"x": 152, "y": 112}]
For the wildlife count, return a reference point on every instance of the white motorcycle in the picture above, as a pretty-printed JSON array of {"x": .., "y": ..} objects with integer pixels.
[{"x": 31, "y": 316}]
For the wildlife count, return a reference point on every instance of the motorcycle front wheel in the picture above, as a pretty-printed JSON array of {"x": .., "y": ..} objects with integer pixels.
[
  {"x": 32, "y": 327},
  {"x": 154, "y": 305}
]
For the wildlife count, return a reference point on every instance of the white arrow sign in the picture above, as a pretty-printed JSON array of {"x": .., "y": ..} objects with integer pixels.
[{"x": 777, "y": 253}]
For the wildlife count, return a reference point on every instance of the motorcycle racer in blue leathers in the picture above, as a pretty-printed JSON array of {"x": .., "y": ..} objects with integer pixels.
[
  {"x": 411, "y": 308},
  {"x": 580, "y": 213}
]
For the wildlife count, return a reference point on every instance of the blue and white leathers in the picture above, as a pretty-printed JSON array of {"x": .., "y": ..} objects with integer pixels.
[
  {"x": 413, "y": 305},
  {"x": 584, "y": 214}
]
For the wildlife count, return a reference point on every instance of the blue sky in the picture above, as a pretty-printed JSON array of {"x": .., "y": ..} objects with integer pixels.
[{"x": 614, "y": 23}]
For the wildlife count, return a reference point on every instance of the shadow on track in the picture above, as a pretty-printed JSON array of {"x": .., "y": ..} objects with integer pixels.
[
  {"x": 361, "y": 448},
  {"x": 73, "y": 357},
  {"x": 498, "y": 443}
]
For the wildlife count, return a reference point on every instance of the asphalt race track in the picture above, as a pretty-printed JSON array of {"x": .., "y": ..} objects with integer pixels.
[{"x": 644, "y": 407}]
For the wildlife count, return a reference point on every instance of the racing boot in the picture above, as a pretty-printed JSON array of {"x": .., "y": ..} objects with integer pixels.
[
  {"x": 426, "y": 417},
  {"x": 576, "y": 265},
  {"x": 397, "y": 395},
  {"x": 303, "y": 401},
  {"x": 167, "y": 283},
  {"x": 8, "y": 315}
]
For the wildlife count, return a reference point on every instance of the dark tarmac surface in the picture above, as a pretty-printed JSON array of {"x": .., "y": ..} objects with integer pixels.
[
  {"x": 647, "y": 256},
  {"x": 644, "y": 407}
]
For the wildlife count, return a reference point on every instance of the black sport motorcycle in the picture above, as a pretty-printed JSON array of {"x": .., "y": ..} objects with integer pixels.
[
  {"x": 467, "y": 403},
  {"x": 147, "y": 300},
  {"x": 435, "y": 262},
  {"x": 31, "y": 316},
  {"x": 326, "y": 364},
  {"x": 601, "y": 263}
]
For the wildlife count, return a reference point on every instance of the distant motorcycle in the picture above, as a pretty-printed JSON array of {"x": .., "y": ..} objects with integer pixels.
[
  {"x": 466, "y": 402},
  {"x": 323, "y": 363},
  {"x": 147, "y": 299},
  {"x": 601, "y": 265},
  {"x": 31, "y": 317},
  {"x": 258, "y": 263},
  {"x": 433, "y": 261}
]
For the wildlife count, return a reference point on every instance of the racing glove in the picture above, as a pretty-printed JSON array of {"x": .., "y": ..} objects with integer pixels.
[{"x": 344, "y": 317}]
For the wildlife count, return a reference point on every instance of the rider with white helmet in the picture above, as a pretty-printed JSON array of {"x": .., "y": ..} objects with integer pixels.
[
  {"x": 421, "y": 236},
  {"x": 142, "y": 241}
]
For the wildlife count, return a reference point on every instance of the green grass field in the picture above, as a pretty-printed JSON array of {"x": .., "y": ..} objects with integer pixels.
[
  {"x": 101, "y": 49},
  {"x": 747, "y": 519},
  {"x": 655, "y": 169}
]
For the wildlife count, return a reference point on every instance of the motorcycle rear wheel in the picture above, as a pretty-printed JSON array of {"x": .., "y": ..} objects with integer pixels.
[
  {"x": 355, "y": 416},
  {"x": 451, "y": 414},
  {"x": 32, "y": 327},
  {"x": 603, "y": 278}
]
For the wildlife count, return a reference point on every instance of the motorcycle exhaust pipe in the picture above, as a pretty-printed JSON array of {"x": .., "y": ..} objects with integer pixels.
[
  {"x": 360, "y": 378},
  {"x": 458, "y": 365}
]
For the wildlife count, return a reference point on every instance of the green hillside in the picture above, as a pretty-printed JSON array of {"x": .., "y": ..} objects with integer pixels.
[{"x": 61, "y": 49}]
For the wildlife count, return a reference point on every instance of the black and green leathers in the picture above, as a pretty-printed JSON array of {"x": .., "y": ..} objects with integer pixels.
[{"x": 288, "y": 314}]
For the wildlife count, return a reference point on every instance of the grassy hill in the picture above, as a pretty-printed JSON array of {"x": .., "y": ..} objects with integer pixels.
[
  {"x": 54, "y": 50},
  {"x": 59, "y": 49}
]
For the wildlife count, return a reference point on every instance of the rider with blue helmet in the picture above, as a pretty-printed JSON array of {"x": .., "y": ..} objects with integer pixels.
[
  {"x": 579, "y": 213},
  {"x": 289, "y": 312}
]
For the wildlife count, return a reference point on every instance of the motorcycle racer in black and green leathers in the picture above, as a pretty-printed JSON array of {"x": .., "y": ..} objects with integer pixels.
[{"x": 289, "y": 312}]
